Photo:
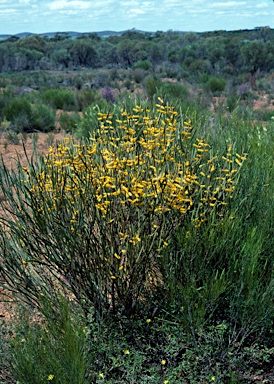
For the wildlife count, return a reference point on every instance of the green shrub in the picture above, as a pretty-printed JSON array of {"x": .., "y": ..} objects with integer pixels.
[
  {"x": 143, "y": 64},
  {"x": 59, "y": 99},
  {"x": 18, "y": 107},
  {"x": 152, "y": 85},
  {"x": 174, "y": 91},
  {"x": 52, "y": 349},
  {"x": 216, "y": 84},
  {"x": 138, "y": 75},
  {"x": 232, "y": 102},
  {"x": 86, "y": 97},
  {"x": 42, "y": 119},
  {"x": 25, "y": 117},
  {"x": 103, "y": 212},
  {"x": 69, "y": 123}
]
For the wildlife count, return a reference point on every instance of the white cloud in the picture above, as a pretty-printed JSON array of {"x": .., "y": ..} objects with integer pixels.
[
  {"x": 63, "y": 4},
  {"x": 261, "y": 5},
  {"x": 136, "y": 11},
  {"x": 228, "y": 4},
  {"x": 7, "y": 11}
]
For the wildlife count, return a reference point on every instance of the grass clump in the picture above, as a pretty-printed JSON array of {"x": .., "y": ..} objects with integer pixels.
[{"x": 50, "y": 348}]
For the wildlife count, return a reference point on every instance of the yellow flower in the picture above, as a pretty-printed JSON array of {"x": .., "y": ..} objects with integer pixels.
[
  {"x": 126, "y": 352},
  {"x": 213, "y": 378},
  {"x": 101, "y": 375},
  {"x": 148, "y": 320},
  {"x": 50, "y": 377},
  {"x": 166, "y": 382},
  {"x": 163, "y": 362}
]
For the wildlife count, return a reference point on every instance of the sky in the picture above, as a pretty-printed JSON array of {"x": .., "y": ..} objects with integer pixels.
[{"x": 41, "y": 16}]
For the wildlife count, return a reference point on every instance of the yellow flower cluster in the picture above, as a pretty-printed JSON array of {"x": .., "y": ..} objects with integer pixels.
[{"x": 141, "y": 160}]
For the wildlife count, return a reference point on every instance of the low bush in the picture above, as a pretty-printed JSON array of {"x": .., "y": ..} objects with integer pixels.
[
  {"x": 140, "y": 176},
  {"x": 86, "y": 97},
  {"x": 18, "y": 107},
  {"x": 69, "y": 122},
  {"x": 216, "y": 84},
  {"x": 59, "y": 99},
  {"x": 52, "y": 348},
  {"x": 143, "y": 64},
  {"x": 25, "y": 117}
]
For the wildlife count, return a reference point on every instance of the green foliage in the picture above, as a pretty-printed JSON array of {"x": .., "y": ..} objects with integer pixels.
[
  {"x": 59, "y": 99},
  {"x": 18, "y": 107},
  {"x": 143, "y": 64},
  {"x": 152, "y": 85},
  {"x": 25, "y": 117},
  {"x": 232, "y": 102},
  {"x": 174, "y": 91},
  {"x": 138, "y": 75},
  {"x": 69, "y": 123},
  {"x": 108, "y": 207},
  {"x": 52, "y": 350},
  {"x": 42, "y": 119},
  {"x": 86, "y": 97},
  {"x": 216, "y": 84}
]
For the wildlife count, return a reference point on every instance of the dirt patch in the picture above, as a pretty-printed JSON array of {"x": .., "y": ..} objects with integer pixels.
[{"x": 12, "y": 152}]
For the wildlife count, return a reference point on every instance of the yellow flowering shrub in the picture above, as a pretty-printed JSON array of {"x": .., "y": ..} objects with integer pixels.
[{"x": 105, "y": 208}]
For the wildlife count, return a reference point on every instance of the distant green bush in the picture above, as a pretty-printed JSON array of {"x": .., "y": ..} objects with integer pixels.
[
  {"x": 152, "y": 85},
  {"x": 138, "y": 75},
  {"x": 216, "y": 84},
  {"x": 25, "y": 117},
  {"x": 174, "y": 91},
  {"x": 43, "y": 118},
  {"x": 86, "y": 97},
  {"x": 143, "y": 64},
  {"x": 60, "y": 99},
  {"x": 68, "y": 123},
  {"x": 18, "y": 107},
  {"x": 231, "y": 102}
]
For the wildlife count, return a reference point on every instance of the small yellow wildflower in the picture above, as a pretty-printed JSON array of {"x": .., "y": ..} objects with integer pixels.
[
  {"x": 101, "y": 375},
  {"x": 50, "y": 377},
  {"x": 148, "y": 320},
  {"x": 113, "y": 277},
  {"x": 126, "y": 352},
  {"x": 213, "y": 378},
  {"x": 163, "y": 362},
  {"x": 166, "y": 382}
]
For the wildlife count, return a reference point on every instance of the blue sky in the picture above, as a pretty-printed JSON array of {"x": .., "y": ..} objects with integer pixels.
[{"x": 149, "y": 15}]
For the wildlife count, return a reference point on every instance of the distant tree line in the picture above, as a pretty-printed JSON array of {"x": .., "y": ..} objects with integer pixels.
[{"x": 218, "y": 53}]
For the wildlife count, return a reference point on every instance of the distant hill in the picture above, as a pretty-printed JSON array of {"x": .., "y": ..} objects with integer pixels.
[
  {"x": 70, "y": 34},
  {"x": 249, "y": 33}
]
